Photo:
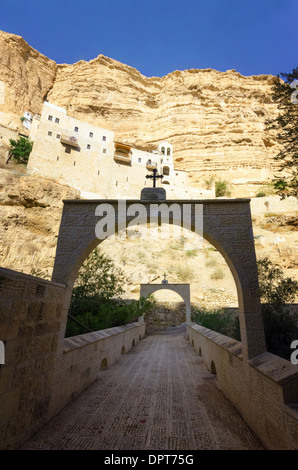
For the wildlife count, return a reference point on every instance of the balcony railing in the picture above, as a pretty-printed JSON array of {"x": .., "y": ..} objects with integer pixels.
[
  {"x": 69, "y": 140},
  {"x": 151, "y": 165},
  {"x": 121, "y": 157}
]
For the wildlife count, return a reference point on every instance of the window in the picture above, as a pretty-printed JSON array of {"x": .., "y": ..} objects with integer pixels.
[
  {"x": 104, "y": 150},
  {"x": 139, "y": 160},
  {"x": 76, "y": 129},
  {"x": 50, "y": 118},
  {"x": 57, "y": 120},
  {"x": 168, "y": 151},
  {"x": 90, "y": 134},
  {"x": 88, "y": 146},
  {"x": 104, "y": 138},
  {"x": 166, "y": 170},
  {"x": 58, "y": 136},
  {"x": 67, "y": 149},
  {"x": 50, "y": 133},
  {"x": 163, "y": 150}
]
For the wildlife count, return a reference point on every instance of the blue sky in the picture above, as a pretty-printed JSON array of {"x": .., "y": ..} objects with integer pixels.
[{"x": 160, "y": 36}]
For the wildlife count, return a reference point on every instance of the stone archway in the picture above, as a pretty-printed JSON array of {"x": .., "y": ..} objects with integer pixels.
[
  {"x": 181, "y": 289},
  {"x": 227, "y": 226}
]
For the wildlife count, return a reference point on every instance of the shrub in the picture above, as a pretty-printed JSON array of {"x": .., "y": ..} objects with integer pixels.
[
  {"x": 94, "y": 316},
  {"x": 280, "y": 324},
  {"x": 185, "y": 273},
  {"x": 209, "y": 182},
  {"x": 20, "y": 150},
  {"x": 217, "y": 274},
  {"x": 191, "y": 253},
  {"x": 220, "y": 320},
  {"x": 221, "y": 189},
  {"x": 211, "y": 263}
]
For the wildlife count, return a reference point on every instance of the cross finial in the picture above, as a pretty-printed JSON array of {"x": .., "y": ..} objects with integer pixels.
[
  {"x": 154, "y": 176},
  {"x": 165, "y": 277}
]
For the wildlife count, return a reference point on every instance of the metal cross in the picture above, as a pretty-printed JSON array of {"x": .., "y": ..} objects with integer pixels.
[
  {"x": 165, "y": 276},
  {"x": 154, "y": 176}
]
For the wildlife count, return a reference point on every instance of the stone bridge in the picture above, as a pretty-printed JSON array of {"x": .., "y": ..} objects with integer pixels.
[{"x": 43, "y": 371}]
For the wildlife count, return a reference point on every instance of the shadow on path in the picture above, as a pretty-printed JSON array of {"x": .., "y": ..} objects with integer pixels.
[{"x": 159, "y": 396}]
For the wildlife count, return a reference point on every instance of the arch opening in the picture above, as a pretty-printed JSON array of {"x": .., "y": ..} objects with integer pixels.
[
  {"x": 242, "y": 264},
  {"x": 171, "y": 305},
  {"x": 104, "y": 364},
  {"x": 212, "y": 368}
]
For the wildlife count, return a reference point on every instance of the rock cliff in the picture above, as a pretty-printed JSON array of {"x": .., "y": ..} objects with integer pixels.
[
  {"x": 215, "y": 120},
  {"x": 30, "y": 214},
  {"x": 26, "y": 76}
]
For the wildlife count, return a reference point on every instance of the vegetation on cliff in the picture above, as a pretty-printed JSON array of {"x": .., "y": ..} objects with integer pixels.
[
  {"x": 280, "y": 323},
  {"x": 20, "y": 150},
  {"x": 94, "y": 303},
  {"x": 285, "y": 94}
]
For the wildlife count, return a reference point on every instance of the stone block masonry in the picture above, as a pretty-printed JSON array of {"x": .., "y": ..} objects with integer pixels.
[
  {"x": 30, "y": 317},
  {"x": 226, "y": 225},
  {"x": 264, "y": 389},
  {"x": 42, "y": 370}
]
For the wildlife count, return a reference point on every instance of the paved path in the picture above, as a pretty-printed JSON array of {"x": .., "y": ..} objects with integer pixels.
[{"x": 159, "y": 396}]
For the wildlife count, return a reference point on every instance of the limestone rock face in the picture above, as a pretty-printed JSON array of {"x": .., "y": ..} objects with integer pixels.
[
  {"x": 214, "y": 120},
  {"x": 30, "y": 215},
  {"x": 25, "y": 78}
]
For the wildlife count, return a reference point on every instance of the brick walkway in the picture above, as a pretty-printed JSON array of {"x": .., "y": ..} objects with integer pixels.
[{"x": 159, "y": 396}]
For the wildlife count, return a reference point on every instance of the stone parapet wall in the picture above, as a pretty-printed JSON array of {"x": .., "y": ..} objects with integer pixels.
[
  {"x": 43, "y": 372},
  {"x": 30, "y": 317},
  {"x": 264, "y": 389},
  {"x": 85, "y": 357},
  {"x": 164, "y": 314}
]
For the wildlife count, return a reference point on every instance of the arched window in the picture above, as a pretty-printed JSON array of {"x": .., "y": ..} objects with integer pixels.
[
  {"x": 166, "y": 171},
  {"x": 163, "y": 150},
  {"x": 168, "y": 151}
]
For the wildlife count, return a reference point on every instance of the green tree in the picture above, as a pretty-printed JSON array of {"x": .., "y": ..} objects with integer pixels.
[
  {"x": 20, "y": 150},
  {"x": 98, "y": 277},
  {"x": 286, "y": 125},
  {"x": 280, "y": 324},
  {"x": 94, "y": 305}
]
